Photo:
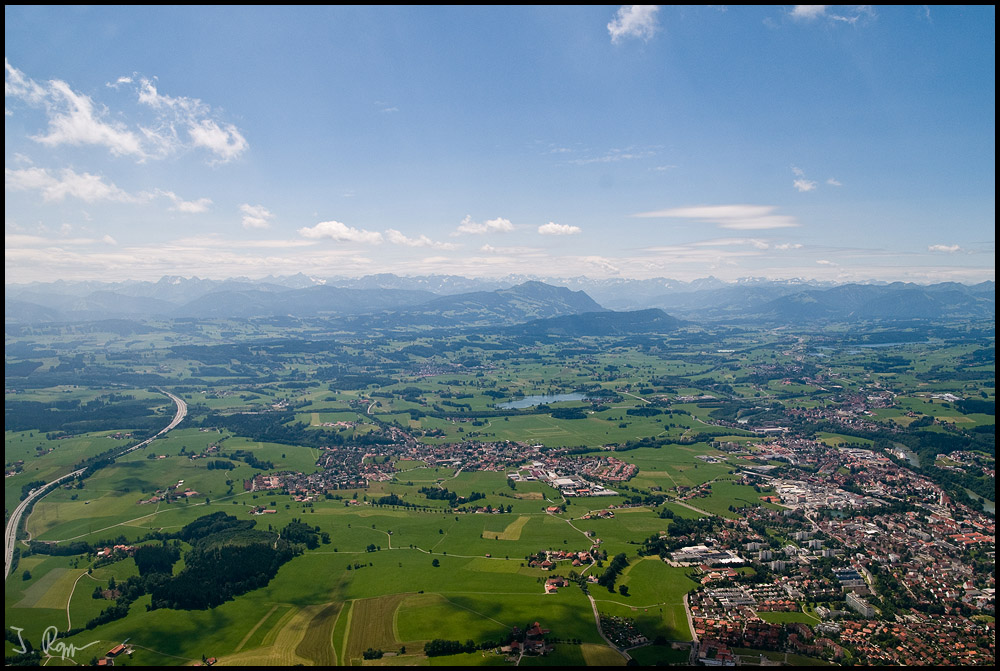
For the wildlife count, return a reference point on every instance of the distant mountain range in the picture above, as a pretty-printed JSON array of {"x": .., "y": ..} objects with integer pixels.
[{"x": 451, "y": 301}]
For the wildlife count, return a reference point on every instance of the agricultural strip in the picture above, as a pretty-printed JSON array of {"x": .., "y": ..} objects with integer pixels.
[
  {"x": 511, "y": 533},
  {"x": 372, "y": 625},
  {"x": 286, "y": 643}
]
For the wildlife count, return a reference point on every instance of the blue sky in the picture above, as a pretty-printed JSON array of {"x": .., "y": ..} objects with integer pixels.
[{"x": 827, "y": 142}]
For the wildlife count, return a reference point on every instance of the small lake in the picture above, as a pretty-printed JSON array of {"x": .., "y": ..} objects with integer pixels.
[
  {"x": 908, "y": 454},
  {"x": 988, "y": 506},
  {"x": 894, "y": 344},
  {"x": 532, "y": 401}
]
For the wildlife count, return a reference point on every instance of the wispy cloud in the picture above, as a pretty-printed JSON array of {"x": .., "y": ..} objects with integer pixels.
[
  {"x": 223, "y": 140},
  {"x": 91, "y": 189},
  {"x": 803, "y": 185},
  {"x": 512, "y": 251},
  {"x": 944, "y": 248},
  {"x": 177, "y": 123},
  {"x": 85, "y": 186},
  {"x": 340, "y": 232},
  {"x": 851, "y": 14},
  {"x": 398, "y": 238},
  {"x": 217, "y": 241},
  {"x": 22, "y": 240},
  {"x": 756, "y": 243},
  {"x": 808, "y": 12},
  {"x": 734, "y": 217},
  {"x": 74, "y": 120},
  {"x": 470, "y": 227},
  {"x": 552, "y": 228},
  {"x": 615, "y": 156},
  {"x": 833, "y": 182},
  {"x": 256, "y": 216},
  {"x": 186, "y": 206},
  {"x": 638, "y": 21}
]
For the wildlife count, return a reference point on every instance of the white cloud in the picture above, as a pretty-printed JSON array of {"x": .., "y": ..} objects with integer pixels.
[
  {"x": 498, "y": 225},
  {"x": 91, "y": 188},
  {"x": 225, "y": 142},
  {"x": 217, "y": 241},
  {"x": 398, "y": 238},
  {"x": 808, "y": 12},
  {"x": 616, "y": 155},
  {"x": 757, "y": 243},
  {"x": 149, "y": 95},
  {"x": 558, "y": 229},
  {"x": 255, "y": 216},
  {"x": 20, "y": 240},
  {"x": 825, "y": 262},
  {"x": 86, "y": 187},
  {"x": 75, "y": 119},
  {"x": 341, "y": 233},
  {"x": 852, "y": 15},
  {"x": 944, "y": 248},
  {"x": 804, "y": 185},
  {"x": 634, "y": 21},
  {"x": 186, "y": 206},
  {"x": 16, "y": 85},
  {"x": 512, "y": 251},
  {"x": 788, "y": 245},
  {"x": 734, "y": 217},
  {"x": 833, "y": 182}
]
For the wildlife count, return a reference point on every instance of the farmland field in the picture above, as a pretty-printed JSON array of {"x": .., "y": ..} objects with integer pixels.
[{"x": 412, "y": 510}]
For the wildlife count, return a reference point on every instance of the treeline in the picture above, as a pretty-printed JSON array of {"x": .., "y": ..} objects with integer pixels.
[
  {"x": 610, "y": 575},
  {"x": 27, "y": 487},
  {"x": 298, "y": 531},
  {"x": 73, "y": 417},
  {"x": 228, "y": 558},
  {"x": 395, "y": 500},
  {"x": 280, "y": 427},
  {"x": 250, "y": 459},
  {"x": 568, "y": 413},
  {"x": 973, "y": 405},
  {"x": 439, "y": 647},
  {"x": 443, "y": 494}
]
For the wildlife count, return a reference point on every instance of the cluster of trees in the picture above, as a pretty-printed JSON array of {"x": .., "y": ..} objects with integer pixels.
[
  {"x": 644, "y": 411},
  {"x": 152, "y": 559},
  {"x": 682, "y": 531},
  {"x": 74, "y": 417},
  {"x": 228, "y": 558},
  {"x": 250, "y": 459},
  {"x": 610, "y": 575},
  {"x": 299, "y": 532},
  {"x": 27, "y": 487},
  {"x": 443, "y": 494},
  {"x": 280, "y": 427},
  {"x": 440, "y": 646}
]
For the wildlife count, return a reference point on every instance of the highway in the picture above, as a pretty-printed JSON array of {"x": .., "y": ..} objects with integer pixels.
[{"x": 10, "y": 533}]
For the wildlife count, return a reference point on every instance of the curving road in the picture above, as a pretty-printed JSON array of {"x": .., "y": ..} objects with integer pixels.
[{"x": 10, "y": 533}]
